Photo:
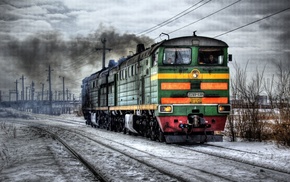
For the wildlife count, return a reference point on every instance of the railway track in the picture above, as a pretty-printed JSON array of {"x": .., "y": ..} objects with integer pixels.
[
  {"x": 97, "y": 174},
  {"x": 146, "y": 158},
  {"x": 81, "y": 152},
  {"x": 182, "y": 171},
  {"x": 168, "y": 160},
  {"x": 238, "y": 156},
  {"x": 279, "y": 172}
]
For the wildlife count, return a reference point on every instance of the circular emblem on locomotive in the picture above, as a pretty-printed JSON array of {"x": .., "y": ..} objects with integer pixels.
[{"x": 195, "y": 73}]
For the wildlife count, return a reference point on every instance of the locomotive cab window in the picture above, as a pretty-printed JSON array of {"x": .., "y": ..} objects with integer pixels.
[
  {"x": 155, "y": 58},
  {"x": 173, "y": 56},
  {"x": 211, "y": 56}
]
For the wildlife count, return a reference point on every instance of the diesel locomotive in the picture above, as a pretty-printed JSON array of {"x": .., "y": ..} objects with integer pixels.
[{"x": 175, "y": 91}]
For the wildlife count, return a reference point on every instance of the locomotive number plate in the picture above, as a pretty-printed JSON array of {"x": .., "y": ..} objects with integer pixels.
[
  {"x": 195, "y": 94},
  {"x": 195, "y": 100}
]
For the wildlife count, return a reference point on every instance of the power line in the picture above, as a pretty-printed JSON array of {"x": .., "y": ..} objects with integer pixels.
[
  {"x": 160, "y": 24},
  {"x": 80, "y": 60},
  {"x": 204, "y": 17},
  {"x": 176, "y": 17},
  {"x": 253, "y": 22}
]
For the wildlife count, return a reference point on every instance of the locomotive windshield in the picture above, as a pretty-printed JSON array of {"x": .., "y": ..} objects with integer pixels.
[
  {"x": 177, "y": 56},
  {"x": 210, "y": 56}
]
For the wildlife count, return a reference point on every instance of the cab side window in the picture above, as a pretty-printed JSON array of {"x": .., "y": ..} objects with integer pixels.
[
  {"x": 155, "y": 58},
  {"x": 210, "y": 56}
]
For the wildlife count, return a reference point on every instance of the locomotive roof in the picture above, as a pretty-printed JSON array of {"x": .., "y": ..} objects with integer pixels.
[{"x": 194, "y": 40}]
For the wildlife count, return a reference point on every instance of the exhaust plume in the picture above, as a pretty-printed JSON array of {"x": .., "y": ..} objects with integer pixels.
[{"x": 74, "y": 58}]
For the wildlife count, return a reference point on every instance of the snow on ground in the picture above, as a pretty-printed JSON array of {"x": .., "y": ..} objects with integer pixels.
[{"x": 26, "y": 155}]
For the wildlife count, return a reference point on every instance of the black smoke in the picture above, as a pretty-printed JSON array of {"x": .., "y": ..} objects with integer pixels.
[{"x": 67, "y": 56}]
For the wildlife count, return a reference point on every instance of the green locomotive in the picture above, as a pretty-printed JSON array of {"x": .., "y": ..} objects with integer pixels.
[{"x": 175, "y": 91}]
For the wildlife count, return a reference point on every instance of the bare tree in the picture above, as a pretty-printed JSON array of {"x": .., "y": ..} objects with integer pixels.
[
  {"x": 232, "y": 121},
  {"x": 247, "y": 91},
  {"x": 279, "y": 93}
]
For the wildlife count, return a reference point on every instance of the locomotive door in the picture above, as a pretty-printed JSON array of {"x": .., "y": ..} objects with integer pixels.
[
  {"x": 140, "y": 84},
  {"x": 142, "y": 92}
]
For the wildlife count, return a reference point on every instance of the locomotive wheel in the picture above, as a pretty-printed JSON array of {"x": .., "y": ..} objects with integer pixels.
[
  {"x": 107, "y": 127},
  {"x": 161, "y": 137},
  {"x": 110, "y": 127},
  {"x": 120, "y": 125},
  {"x": 117, "y": 127},
  {"x": 121, "y": 128},
  {"x": 153, "y": 135},
  {"x": 112, "y": 124},
  {"x": 154, "y": 130},
  {"x": 147, "y": 133}
]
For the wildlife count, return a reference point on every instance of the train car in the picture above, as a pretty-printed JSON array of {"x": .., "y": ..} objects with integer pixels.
[{"x": 175, "y": 91}]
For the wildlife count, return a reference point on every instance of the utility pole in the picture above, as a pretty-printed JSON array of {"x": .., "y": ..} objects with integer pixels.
[
  {"x": 104, "y": 58},
  {"x": 63, "y": 94},
  {"x": 49, "y": 90},
  {"x": 32, "y": 90},
  {"x": 22, "y": 93},
  {"x": 63, "y": 91},
  {"x": 59, "y": 95},
  {"x": 26, "y": 93},
  {"x": 55, "y": 95},
  {"x": 104, "y": 49},
  {"x": 10, "y": 91},
  {"x": 16, "y": 90},
  {"x": 42, "y": 88},
  {"x": 38, "y": 96},
  {"x": 29, "y": 93}
]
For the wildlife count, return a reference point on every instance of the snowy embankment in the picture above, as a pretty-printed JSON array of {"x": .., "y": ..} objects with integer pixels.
[{"x": 28, "y": 155}]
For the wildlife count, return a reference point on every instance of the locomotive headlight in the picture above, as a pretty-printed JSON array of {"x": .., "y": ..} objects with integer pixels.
[
  {"x": 225, "y": 108},
  {"x": 165, "y": 109}
]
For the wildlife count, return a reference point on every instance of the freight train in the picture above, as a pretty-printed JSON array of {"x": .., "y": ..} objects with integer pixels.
[{"x": 175, "y": 91}]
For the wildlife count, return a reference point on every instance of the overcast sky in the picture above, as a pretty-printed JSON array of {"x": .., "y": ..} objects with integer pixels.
[{"x": 64, "y": 33}]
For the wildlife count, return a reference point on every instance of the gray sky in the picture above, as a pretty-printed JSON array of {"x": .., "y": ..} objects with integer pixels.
[{"x": 64, "y": 33}]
